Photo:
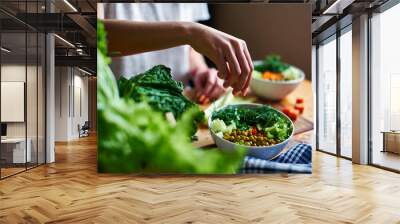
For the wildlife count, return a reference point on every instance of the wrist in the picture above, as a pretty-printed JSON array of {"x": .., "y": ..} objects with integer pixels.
[{"x": 189, "y": 32}]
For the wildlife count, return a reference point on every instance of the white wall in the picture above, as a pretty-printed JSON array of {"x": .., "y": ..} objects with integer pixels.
[
  {"x": 12, "y": 73},
  {"x": 33, "y": 127},
  {"x": 62, "y": 81},
  {"x": 71, "y": 102}
]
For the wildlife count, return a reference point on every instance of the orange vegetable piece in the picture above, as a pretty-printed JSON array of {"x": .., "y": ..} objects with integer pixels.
[
  {"x": 286, "y": 110},
  {"x": 299, "y": 107},
  {"x": 293, "y": 115},
  {"x": 272, "y": 76}
]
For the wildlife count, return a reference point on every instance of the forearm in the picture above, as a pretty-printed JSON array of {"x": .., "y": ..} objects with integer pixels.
[{"x": 129, "y": 37}]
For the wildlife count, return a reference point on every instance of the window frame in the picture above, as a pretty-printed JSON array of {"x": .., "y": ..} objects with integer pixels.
[{"x": 333, "y": 37}]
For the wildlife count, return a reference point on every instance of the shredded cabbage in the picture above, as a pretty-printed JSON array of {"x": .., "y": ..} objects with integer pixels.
[
  {"x": 218, "y": 125},
  {"x": 256, "y": 74},
  {"x": 291, "y": 73}
]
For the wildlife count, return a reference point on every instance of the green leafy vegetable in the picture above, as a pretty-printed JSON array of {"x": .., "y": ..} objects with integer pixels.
[
  {"x": 279, "y": 131},
  {"x": 275, "y": 125},
  {"x": 272, "y": 63},
  {"x": 101, "y": 39},
  {"x": 158, "y": 77},
  {"x": 163, "y": 93},
  {"x": 227, "y": 99},
  {"x": 159, "y": 89},
  {"x": 134, "y": 137}
]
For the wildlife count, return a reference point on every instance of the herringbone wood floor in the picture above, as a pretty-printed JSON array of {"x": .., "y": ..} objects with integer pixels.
[{"x": 70, "y": 191}]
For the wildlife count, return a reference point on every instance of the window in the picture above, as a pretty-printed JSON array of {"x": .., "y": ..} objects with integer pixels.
[
  {"x": 385, "y": 89},
  {"x": 22, "y": 78},
  {"x": 346, "y": 92},
  {"x": 326, "y": 110},
  {"x": 334, "y": 94}
]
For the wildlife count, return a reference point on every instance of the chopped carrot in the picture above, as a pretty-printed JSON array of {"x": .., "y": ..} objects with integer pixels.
[
  {"x": 272, "y": 76},
  {"x": 293, "y": 115},
  {"x": 286, "y": 110}
]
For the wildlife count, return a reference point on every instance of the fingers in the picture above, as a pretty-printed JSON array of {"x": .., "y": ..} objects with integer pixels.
[
  {"x": 211, "y": 81},
  {"x": 210, "y": 88},
  {"x": 229, "y": 54},
  {"x": 218, "y": 89},
  {"x": 198, "y": 84},
  {"x": 222, "y": 66},
  {"x": 234, "y": 69},
  {"x": 251, "y": 66},
  {"x": 239, "y": 66},
  {"x": 245, "y": 66}
]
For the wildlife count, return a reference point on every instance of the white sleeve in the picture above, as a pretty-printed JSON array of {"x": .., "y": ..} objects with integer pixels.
[{"x": 196, "y": 11}]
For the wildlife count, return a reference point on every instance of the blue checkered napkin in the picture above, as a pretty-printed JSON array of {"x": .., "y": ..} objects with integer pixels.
[{"x": 295, "y": 160}]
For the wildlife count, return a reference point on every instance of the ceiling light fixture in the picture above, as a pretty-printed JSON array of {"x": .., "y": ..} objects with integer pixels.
[
  {"x": 84, "y": 71},
  {"x": 70, "y": 5},
  {"x": 5, "y": 50},
  {"x": 65, "y": 41}
]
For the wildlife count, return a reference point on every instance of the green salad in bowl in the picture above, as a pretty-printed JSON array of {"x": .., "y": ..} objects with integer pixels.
[
  {"x": 263, "y": 130},
  {"x": 272, "y": 68},
  {"x": 274, "y": 79}
]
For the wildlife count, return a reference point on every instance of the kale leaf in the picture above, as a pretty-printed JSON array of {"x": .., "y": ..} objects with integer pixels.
[{"x": 161, "y": 91}]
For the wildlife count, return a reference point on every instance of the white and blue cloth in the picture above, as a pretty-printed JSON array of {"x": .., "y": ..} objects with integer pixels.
[{"x": 296, "y": 160}]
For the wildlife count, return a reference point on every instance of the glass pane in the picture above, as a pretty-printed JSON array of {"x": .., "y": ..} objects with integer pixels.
[
  {"x": 327, "y": 96},
  {"x": 41, "y": 98},
  {"x": 14, "y": 153},
  {"x": 346, "y": 93},
  {"x": 385, "y": 84},
  {"x": 32, "y": 98}
]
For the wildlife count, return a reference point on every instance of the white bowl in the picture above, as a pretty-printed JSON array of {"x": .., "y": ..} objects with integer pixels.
[
  {"x": 274, "y": 90},
  {"x": 262, "y": 152}
]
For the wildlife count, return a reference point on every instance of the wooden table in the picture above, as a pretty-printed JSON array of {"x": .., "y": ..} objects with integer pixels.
[
  {"x": 391, "y": 141},
  {"x": 304, "y": 90}
]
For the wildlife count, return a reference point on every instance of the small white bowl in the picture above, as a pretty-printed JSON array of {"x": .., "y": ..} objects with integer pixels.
[
  {"x": 262, "y": 152},
  {"x": 274, "y": 90}
]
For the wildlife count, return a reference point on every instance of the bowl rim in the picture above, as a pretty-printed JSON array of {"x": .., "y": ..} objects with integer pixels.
[
  {"x": 280, "y": 82},
  {"x": 246, "y": 146}
]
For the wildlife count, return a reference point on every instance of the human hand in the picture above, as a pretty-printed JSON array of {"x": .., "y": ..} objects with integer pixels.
[
  {"x": 229, "y": 54},
  {"x": 207, "y": 85}
]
